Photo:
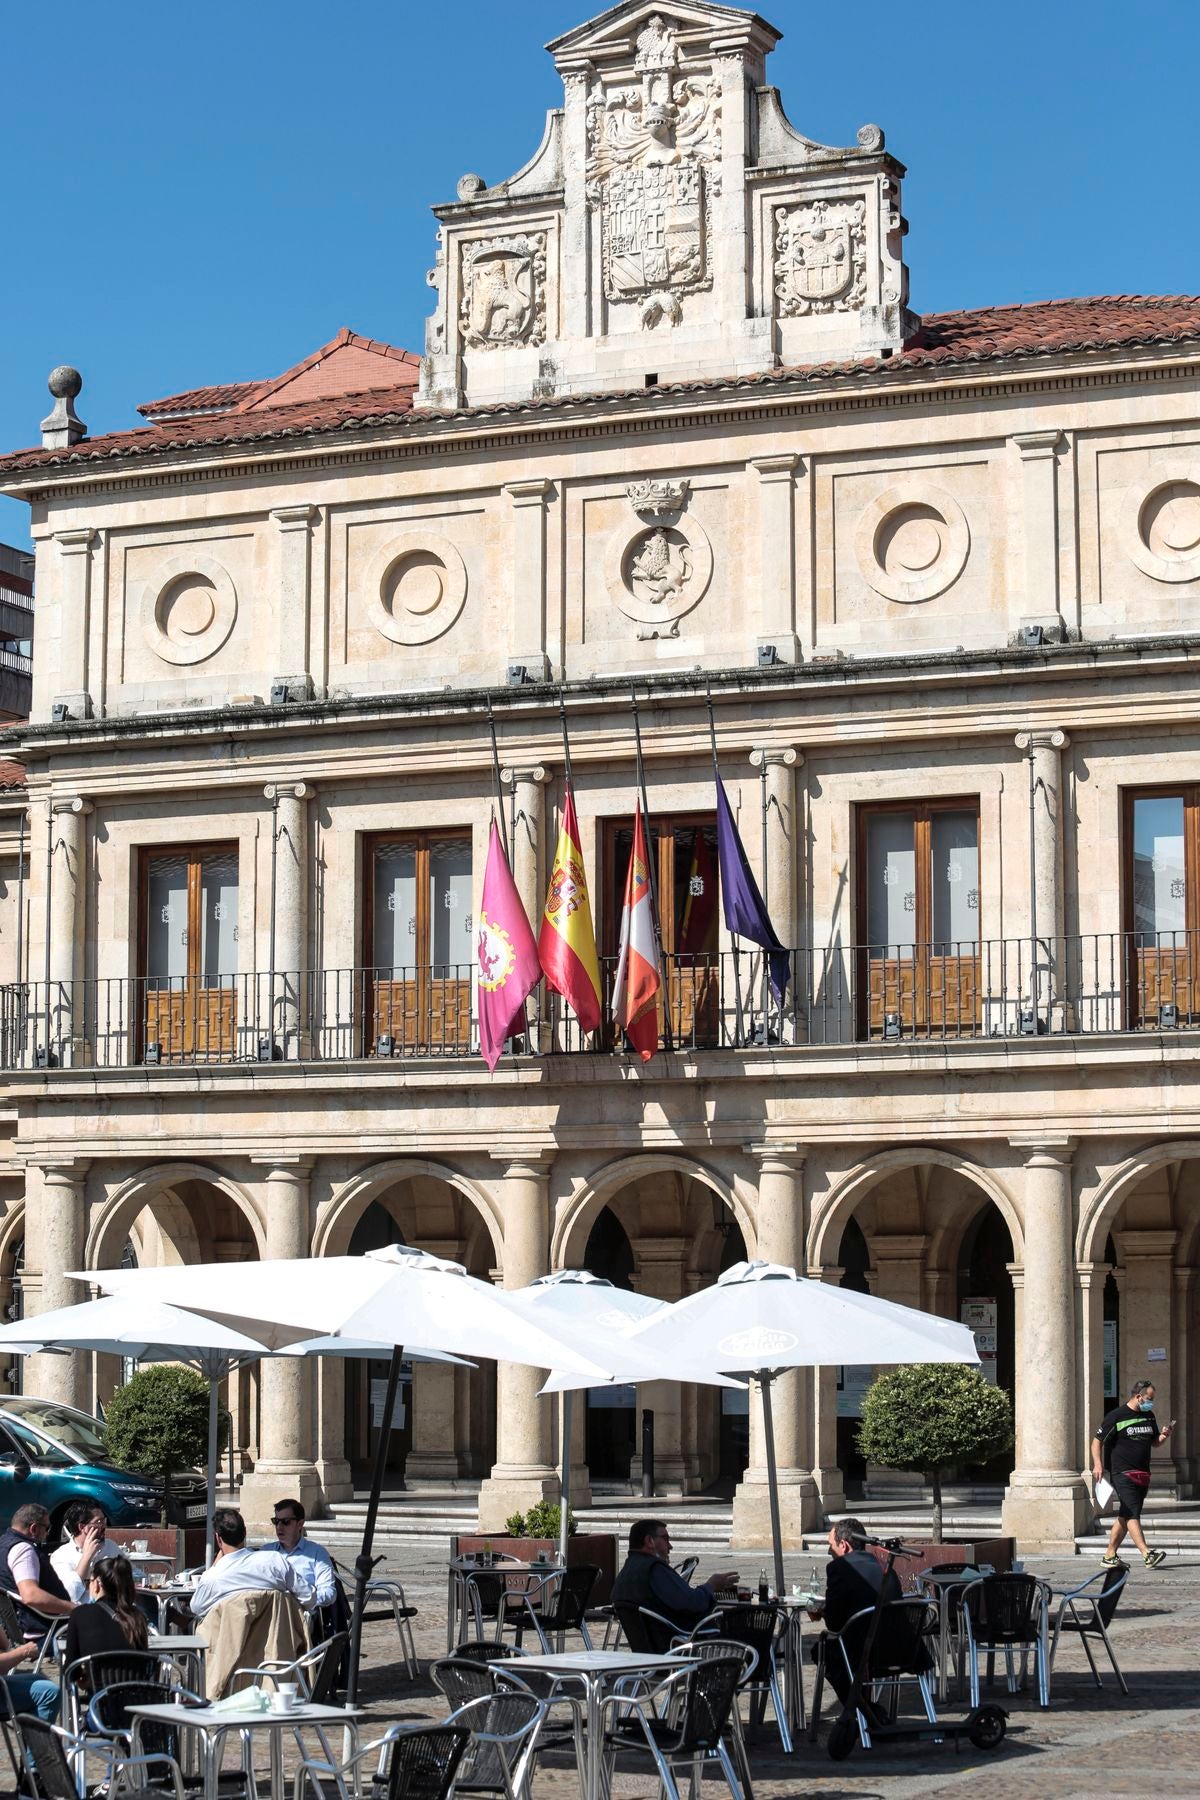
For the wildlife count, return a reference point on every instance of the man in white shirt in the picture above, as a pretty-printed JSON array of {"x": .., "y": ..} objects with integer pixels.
[
  {"x": 311, "y": 1559},
  {"x": 237, "y": 1570},
  {"x": 85, "y": 1544}
]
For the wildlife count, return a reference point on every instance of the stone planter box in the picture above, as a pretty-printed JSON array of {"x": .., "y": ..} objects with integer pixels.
[
  {"x": 596, "y": 1547},
  {"x": 998, "y": 1551},
  {"x": 185, "y": 1545}
]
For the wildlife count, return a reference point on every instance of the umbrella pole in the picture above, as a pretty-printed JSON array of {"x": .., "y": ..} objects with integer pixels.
[
  {"x": 211, "y": 1507},
  {"x": 764, "y": 1382},
  {"x": 564, "y": 1504},
  {"x": 364, "y": 1562}
]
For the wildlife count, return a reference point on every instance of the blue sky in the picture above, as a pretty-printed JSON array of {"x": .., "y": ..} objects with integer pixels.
[{"x": 206, "y": 193}]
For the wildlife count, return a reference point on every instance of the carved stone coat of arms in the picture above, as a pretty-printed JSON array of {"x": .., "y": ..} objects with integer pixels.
[
  {"x": 504, "y": 292},
  {"x": 820, "y": 257}
]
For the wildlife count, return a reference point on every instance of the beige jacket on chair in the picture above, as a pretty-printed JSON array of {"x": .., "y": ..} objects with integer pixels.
[{"x": 244, "y": 1630}]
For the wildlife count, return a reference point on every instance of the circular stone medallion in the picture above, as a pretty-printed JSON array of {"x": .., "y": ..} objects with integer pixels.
[
  {"x": 190, "y": 611},
  {"x": 660, "y": 572},
  {"x": 1160, "y": 524},
  {"x": 912, "y": 542},
  {"x": 416, "y": 586}
]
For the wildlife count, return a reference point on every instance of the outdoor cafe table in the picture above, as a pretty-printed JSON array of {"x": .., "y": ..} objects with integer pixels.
[
  {"x": 213, "y": 1727},
  {"x": 946, "y": 1587},
  {"x": 187, "y": 1651},
  {"x": 595, "y": 1668}
]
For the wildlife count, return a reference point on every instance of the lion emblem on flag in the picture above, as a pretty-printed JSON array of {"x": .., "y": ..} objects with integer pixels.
[{"x": 494, "y": 954}]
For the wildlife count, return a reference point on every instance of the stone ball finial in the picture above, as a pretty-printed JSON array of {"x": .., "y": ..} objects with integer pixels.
[
  {"x": 470, "y": 185},
  {"x": 64, "y": 382}
]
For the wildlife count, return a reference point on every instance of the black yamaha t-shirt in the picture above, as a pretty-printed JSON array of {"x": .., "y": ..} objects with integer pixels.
[{"x": 1127, "y": 1437}]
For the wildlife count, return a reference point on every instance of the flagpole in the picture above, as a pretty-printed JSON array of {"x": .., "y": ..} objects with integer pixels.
[
  {"x": 496, "y": 783},
  {"x": 737, "y": 967},
  {"x": 668, "y": 1038},
  {"x": 766, "y": 985}
]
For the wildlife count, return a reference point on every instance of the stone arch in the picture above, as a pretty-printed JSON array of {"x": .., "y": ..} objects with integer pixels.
[
  {"x": 122, "y": 1206},
  {"x": 12, "y": 1228},
  {"x": 339, "y": 1215},
  {"x": 1097, "y": 1216},
  {"x": 575, "y": 1219},
  {"x": 831, "y": 1213}
]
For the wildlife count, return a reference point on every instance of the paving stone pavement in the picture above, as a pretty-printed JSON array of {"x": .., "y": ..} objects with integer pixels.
[{"x": 1091, "y": 1743}]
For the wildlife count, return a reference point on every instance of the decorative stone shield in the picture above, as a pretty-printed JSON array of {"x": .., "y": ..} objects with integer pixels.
[{"x": 504, "y": 292}]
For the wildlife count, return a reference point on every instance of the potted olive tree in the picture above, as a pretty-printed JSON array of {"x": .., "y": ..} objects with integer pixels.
[
  {"x": 158, "y": 1424},
  {"x": 931, "y": 1417}
]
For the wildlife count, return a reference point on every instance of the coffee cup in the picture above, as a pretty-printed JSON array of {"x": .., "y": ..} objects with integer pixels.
[
  {"x": 140, "y": 1546},
  {"x": 286, "y": 1697}
]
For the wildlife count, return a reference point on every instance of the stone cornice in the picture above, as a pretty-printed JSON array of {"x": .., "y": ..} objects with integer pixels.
[{"x": 574, "y": 419}]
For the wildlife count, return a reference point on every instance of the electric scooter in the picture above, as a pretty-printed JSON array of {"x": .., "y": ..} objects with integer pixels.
[{"x": 984, "y": 1726}]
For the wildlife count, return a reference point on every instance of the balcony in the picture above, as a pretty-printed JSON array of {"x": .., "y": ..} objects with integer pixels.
[{"x": 1001, "y": 988}]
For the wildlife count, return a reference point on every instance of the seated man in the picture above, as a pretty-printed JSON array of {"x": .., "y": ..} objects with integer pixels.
[
  {"x": 29, "y": 1692},
  {"x": 647, "y": 1579},
  {"x": 85, "y": 1544},
  {"x": 237, "y": 1570},
  {"x": 311, "y": 1559},
  {"x": 853, "y": 1581},
  {"x": 27, "y": 1573}
]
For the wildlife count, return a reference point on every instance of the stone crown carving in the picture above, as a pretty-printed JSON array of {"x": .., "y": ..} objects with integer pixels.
[{"x": 657, "y": 499}]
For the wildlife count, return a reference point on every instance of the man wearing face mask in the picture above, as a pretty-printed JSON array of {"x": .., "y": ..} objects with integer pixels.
[{"x": 1121, "y": 1450}]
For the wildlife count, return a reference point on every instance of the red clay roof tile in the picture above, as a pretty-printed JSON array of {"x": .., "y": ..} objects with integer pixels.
[
  {"x": 203, "y": 399},
  {"x": 943, "y": 340},
  {"x": 12, "y": 774}
]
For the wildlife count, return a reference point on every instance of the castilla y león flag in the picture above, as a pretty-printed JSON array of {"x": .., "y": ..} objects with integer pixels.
[
  {"x": 505, "y": 954},
  {"x": 567, "y": 942},
  {"x": 635, "y": 996}
]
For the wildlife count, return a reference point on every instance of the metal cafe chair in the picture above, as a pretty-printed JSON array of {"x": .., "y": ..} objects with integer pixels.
[
  {"x": 1089, "y": 1615},
  {"x": 413, "y": 1763},
  {"x": 1005, "y": 1615},
  {"x": 684, "y": 1720}
]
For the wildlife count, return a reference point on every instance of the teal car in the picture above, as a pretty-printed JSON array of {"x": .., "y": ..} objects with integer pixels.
[{"x": 52, "y": 1455}]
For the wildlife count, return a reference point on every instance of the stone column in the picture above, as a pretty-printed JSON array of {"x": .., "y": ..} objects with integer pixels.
[
  {"x": 1044, "y": 749},
  {"x": 1090, "y": 1280},
  {"x": 284, "y": 1004},
  {"x": 1038, "y": 593},
  {"x": 293, "y": 594},
  {"x": 777, "y": 554},
  {"x": 332, "y": 1462},
  {"x": 780, "y": 877},
  {"x": 529, "y": 501},
  {"x": 1046, "y": 1503},
  {"x": 528, "y": 848},
  {"x": 1147, "y": 1291},
  {"x": 1183, "y": 1438},
  {"x": 1016, "y": 1274},
  {"x": 780, "y": 1227},
  {"x": 438, "y": 1455},
  {"x": 60, "y": 1027},
  {"x": 897, "y": 1274},
  {"x": 523, "y": 1472},
  {"x": 55, "y": 1235},
  {"x": 74, "y": 620},
  {"x": 827, "y": 1471},
  {"x": 285, "y": 1464},
  {"x": 660, "y": 1272}
]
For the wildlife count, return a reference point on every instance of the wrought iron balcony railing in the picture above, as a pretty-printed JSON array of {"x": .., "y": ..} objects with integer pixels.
[{"x": 840, "y": 995}]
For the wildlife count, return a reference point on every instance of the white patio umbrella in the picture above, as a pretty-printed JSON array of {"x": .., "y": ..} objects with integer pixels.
[
  {"x": 762, "y": 1319},
  {"x": 571, "y": 1297},
  {"x": 394, "y": 1296},
  {"x": 117, "y": 1325}
]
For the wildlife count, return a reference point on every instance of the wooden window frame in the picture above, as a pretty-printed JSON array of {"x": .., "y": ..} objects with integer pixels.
[
  {"x": 610, "y": 914},
  {"x": 428, "y": 1010},
  {"x": 193, "y": 854},
  {"x": 199, "y": 1029},
  {"x": 1186, "y": 995},
  {"x": 693, "y": 993}
]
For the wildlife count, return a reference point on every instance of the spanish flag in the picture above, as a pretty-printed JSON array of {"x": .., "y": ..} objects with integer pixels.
[{"x": 567, "y": 942}]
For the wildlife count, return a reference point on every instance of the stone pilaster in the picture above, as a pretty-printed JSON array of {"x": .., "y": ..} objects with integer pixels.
[
  {"x": 529, "y": 502},
  {"x": 285, "y": 1003},
  {"x": 777, "y": 477},
  {"x": 660, "y": 1271},
  {"x": 1183, "y": 1439},
  {"x": 780, "y": 1227},
  {"x": 285, "y": 1464},
  {"x": 523, "y": 1472},
  {"x": 827, "y": 1471},
  {"x": 1046, "y": 1503},
  {"x": 75, "y": 589},
  {"x": 1044, "y": 750},
  {"x": 64, "y": 1008},
  {"x": 1039, "y": 585},
  {"x": 55, "y": 1236},
  {"x": 294, "y": 592},
  {"x": 1147, "y": 1295}
]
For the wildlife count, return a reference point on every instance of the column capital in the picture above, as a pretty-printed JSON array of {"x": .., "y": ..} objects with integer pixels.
[
  {"x": 289, "y": 790},
  {"x": 76, "y": 542},
  {"x": 1051, "y": 739},
  {"x": 768, "y": 756},
  {"x": 61, "y": 1168},
  {"x": 1045, "y": 1149},
  {"x": 1016, "y": 1274},
  {"x": 536, "y": 491},
  {"x": 527, "y": 1165},
  {"x": 72, "y": 804},
  {"x": 777, "y": 468},
  {"x": 284, "y": 1165},
  {"x": 1156, "y": 1243},
  {"x": 1034, "y": 445},
  {"x": 538, "y": 773},
  {"x": 782, "y": 1155},
  {"x": 294, "y": 518}
]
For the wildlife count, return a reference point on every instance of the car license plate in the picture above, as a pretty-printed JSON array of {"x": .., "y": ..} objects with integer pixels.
[{"x": 196, "y": 1512}]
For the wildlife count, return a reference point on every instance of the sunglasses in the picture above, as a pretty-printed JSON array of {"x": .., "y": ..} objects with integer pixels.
[{"x": 285, "y": 1521}]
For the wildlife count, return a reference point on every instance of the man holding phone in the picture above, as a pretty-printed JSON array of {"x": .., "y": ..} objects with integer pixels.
[{"x": 1121, "y": 1450}]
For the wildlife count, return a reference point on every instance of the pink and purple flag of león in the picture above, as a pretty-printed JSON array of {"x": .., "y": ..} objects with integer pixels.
[{"x": 506, "y": 955}]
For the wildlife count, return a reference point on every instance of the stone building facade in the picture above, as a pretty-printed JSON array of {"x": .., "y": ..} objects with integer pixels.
[{"x": 676, "y": 434}]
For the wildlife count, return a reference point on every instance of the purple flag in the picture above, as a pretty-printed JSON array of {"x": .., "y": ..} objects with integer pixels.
[{"x": 745, "y": 914}]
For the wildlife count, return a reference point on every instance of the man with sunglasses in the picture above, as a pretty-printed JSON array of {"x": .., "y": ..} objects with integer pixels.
[{"x": 312, "y": 1561}]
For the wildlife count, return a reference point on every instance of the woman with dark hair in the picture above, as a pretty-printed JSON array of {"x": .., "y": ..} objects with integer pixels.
[{"x": 113, "y": 1621}]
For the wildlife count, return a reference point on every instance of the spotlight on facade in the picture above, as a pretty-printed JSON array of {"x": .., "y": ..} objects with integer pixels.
[
  {"x": 518, "y": 675},
  {"x": 60, "y": 712},
  {"x": 768, "y": 656},
  {"x": 385, "y": 1044},
  {"x": 153, "y": 1055},
  {"x": 892, "y": 1028},
  {"x": 268, "y": 1050},
  {"x": 1168, "y": 1016},
  {"x": 44, "y": 1059},
  {"x": 1029, "y": 1024},
  {"x": 1032, "y": 637}
]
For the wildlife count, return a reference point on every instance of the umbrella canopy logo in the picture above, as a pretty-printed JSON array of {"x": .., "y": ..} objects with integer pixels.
[{"x": 758, "y": 1345}]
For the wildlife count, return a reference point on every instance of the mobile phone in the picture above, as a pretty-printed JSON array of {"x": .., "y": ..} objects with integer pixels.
[{"x": 1171, "y": 1424}]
